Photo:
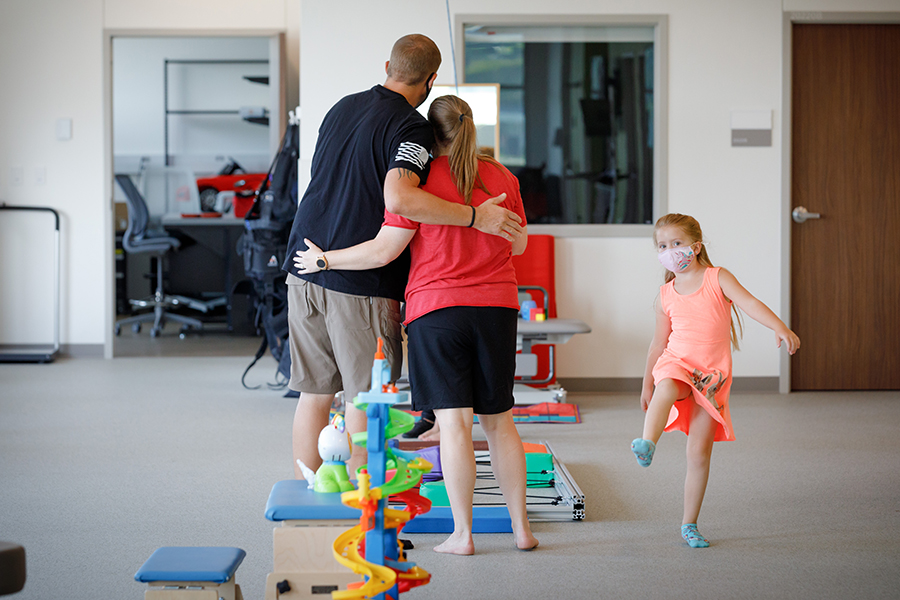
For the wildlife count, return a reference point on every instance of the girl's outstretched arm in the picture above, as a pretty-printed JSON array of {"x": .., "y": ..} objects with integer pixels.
[
  {"x": 377, "y": 252},
  {"x": 757, "y": 311},
  {"x": 660, "y": 339}
]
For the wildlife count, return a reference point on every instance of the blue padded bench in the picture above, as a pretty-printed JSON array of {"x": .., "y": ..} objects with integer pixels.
[
  {"x": 293, "y": 500},
  {"x": 207, "y": 571},
  {"x": 485, "y": 519},
  {"x": 307, "y": 525}
]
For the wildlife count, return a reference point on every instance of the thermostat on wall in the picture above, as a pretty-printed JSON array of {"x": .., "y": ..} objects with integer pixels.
[{"x": 751, "y": 128}]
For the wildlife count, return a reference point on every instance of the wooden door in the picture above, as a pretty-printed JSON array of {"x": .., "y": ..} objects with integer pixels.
[{"x": 845, "y": 266}]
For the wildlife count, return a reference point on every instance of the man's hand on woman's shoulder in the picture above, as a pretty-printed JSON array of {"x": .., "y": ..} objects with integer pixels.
[{"x": 492, "y": 218}]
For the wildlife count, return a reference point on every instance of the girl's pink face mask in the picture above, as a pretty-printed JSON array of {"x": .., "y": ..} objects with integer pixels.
[{"x": 676, "y": 259}]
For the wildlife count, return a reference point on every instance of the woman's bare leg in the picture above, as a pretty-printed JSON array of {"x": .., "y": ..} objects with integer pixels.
[
  {"x": 508, "y": 464},
  {"x": 458, "y": 465}
]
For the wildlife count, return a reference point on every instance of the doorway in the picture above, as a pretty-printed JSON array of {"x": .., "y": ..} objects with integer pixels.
[
  {"x": 190, "y": 114},
  {"x": 845, "y": 172}
]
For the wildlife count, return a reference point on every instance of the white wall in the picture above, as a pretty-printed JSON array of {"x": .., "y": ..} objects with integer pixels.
[
  {"x": 722, "y": 56},
  {"x": 51, "y": 62},
  {"x": 194, "y": 141},
  {"x": 841, "y": 5}
]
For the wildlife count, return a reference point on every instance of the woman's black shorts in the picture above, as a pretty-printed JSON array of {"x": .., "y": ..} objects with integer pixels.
[{"x": 463, "y": 356}]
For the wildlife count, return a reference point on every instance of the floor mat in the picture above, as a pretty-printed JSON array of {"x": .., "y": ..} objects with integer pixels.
[{"x": 545, "y": 412}]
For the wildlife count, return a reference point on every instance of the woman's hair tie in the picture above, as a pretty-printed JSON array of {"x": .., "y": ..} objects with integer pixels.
[{"x": 461, "y": 117}]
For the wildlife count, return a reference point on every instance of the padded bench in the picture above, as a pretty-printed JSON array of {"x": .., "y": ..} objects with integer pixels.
[
  {"x": 12, "y": 568},
  {"x": 303, "y": 545},
  {"x": 192, "y": 573}
]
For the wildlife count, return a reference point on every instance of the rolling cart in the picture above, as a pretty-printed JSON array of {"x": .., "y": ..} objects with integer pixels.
[{"x": 39, "y": 353}]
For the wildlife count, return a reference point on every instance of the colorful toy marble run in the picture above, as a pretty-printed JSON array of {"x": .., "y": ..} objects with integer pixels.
[{"x": 371, "y": 548}]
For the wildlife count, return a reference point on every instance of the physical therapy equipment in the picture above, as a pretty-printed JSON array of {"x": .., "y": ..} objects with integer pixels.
[
  {"x": 536, "y": 340},
  {"x": 177, "y": 572},
  {"x": 549, "y": 331},
  {"x": 552, "y": 494},
  {"x": 40, "y": 353},
  {"x": 383, "y": 562}
]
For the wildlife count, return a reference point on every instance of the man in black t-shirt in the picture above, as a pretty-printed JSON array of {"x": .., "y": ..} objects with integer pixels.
[{"x": 372, "y": 153}]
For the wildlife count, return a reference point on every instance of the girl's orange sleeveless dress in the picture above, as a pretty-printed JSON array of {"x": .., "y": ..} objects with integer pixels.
[{"x": 698, "y": 353}]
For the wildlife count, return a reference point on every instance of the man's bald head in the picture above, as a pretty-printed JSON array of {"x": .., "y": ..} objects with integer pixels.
[{"x": 414, "y": 58}]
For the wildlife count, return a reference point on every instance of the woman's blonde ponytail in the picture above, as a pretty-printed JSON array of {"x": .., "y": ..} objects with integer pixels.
[{"x": 454, "y": 129}]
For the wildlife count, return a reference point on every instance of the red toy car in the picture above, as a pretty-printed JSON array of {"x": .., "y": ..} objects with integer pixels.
[{"x": 232, "y": 178}]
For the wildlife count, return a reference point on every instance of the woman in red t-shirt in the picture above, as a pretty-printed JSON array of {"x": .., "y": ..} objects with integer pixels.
[{"x": 461, "y": 310}]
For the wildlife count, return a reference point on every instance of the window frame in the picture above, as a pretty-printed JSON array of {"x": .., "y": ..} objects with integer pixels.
[{"x": 660, "y": 25}]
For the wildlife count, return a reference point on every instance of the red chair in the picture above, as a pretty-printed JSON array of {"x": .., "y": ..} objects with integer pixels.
[{"x": 536, "y": 268}]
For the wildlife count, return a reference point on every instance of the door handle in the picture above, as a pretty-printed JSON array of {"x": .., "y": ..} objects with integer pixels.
[{"x": 801, "y": 215}]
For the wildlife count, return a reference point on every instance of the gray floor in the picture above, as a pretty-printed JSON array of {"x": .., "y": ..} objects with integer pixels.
[
  {"x": 101, "y": 462},
  {"x": 214, "y": 340}
]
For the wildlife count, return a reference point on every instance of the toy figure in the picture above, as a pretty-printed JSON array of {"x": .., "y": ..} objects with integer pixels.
[{"x": 334, "y": 448}]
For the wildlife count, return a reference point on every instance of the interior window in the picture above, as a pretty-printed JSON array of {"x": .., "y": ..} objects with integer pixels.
[{"x": 576, "y": 117}]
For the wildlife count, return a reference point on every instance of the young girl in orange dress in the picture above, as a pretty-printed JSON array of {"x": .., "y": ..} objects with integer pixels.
[{"x": 688, "y": 375}]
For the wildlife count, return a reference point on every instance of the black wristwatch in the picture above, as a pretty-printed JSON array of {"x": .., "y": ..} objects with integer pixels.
[{"x": 322, "y": 263}]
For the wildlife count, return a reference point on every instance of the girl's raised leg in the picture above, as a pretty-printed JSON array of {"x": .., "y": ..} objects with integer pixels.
[
  {"x": 458, "y": 465},
  {"x": 699, "y": 453},
  {"x": 508, "y": 464},
  {"x": 667, "y": 392},
  {"x": 664, "y": 397}
]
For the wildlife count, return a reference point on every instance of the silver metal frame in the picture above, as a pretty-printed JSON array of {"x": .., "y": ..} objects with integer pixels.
[
  {"x": 562, "y": 502},
  {"x": 39, "y": 352}
]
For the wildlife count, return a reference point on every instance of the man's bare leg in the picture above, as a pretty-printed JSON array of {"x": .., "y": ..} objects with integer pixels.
[
  {"x": 356, "y": 422},
  {"x": 310, "y": 418}
]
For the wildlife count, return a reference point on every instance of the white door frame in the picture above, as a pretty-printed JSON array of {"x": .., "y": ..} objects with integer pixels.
[{"x": 277, "y": 124}]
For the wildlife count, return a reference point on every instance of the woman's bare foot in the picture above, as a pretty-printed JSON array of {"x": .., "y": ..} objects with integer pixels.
[
  {"x": 459, "y": 544},
  {"x": 432, "y": 435},
  {"x": 526, "y": 541}
]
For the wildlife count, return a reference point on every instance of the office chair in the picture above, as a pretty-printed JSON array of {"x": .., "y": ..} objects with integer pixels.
[{"x": 141, "y": 238}]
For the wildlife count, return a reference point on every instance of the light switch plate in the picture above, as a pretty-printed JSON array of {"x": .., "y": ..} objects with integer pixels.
[{"x": 64, "y": 129}]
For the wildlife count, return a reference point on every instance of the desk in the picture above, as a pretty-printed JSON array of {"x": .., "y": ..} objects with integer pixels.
[
  {"x": 176, "y": 220},
  {"x": 210, "y": 265}
]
